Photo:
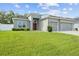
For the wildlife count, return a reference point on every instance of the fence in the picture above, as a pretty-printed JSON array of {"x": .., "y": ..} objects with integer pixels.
[{"x": 6, "y": 26}]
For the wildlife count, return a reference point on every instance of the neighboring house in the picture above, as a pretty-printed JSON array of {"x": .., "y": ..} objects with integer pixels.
[
  {"x": 76, "y": 25},
  {"x": 39, "y": 22}
]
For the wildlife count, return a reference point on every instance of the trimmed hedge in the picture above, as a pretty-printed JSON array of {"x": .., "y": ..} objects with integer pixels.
[
  {"x": 20, "y": 29},
  {"x": 28, "y": 29}
]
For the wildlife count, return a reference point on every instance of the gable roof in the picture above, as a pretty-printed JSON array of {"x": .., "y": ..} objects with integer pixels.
[
  {"x": 42, "y": 17},
  {"x": 31, "y": 14},
  {"x": 56, "y": 17}
]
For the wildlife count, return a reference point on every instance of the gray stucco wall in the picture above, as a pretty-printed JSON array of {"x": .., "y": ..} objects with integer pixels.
[
  {"x": 20, "y": 23},
  {"x": 43, "y": 25}
]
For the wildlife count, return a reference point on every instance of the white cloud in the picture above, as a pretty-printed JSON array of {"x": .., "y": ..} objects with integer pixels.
[
  {"x": 67, "y": 9},
  {"x": 29, "y": 11},
  {"x": 17, "y": 6},
  {"x": 56, "y": 13},
  {"x": 70, "y": 3},
  {"x": 44, "y": 8},
  {"x": 42, "y": 4},
  {"x": 27, "y": 6},
  {"x": 48, "y": 5},
  {"x": 53, "y": 4},
  {"x": 65, "y": 12},
  {"x": 73, "y": 4},
  {"x": 52, "y": 12},
  {"x": 47, "y": 10},
  {"x": 70, "y": 9},
  {"x": 64, "y": 9},
  {"x": 35, "y": 12}
]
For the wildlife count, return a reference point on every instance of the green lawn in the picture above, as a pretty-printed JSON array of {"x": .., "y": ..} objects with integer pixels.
[{"x": 23, "y": 43}]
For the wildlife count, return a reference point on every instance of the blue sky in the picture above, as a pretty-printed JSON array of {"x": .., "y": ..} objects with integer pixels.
[{"x": 58, "y": 9}]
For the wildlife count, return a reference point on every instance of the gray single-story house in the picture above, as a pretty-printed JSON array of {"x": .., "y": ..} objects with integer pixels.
[{"x": 41, "y": 22}]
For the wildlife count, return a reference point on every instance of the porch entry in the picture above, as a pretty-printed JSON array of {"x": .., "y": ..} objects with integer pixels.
[{"x": 35, "y": 23}]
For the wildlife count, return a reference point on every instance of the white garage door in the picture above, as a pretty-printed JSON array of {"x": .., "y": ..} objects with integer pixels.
[
  {"x": 66, "y": 26},
  {"x": 54, "y": 26}
]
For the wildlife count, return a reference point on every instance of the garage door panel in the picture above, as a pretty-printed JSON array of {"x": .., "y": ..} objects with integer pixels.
[
  {"x": 66, "y": 26},
  {"x": 54, "y": 26}
]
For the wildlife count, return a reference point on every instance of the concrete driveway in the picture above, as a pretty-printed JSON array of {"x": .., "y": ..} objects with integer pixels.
[{"x": 71, "y": 32}]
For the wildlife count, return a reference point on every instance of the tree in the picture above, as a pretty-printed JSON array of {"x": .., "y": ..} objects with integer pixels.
[
  {"x": 18, "y": 15},
  {"x": 9, "y": 16},
  {"x": 2, "y": 16},
  {"x": 25, "y": 16}
]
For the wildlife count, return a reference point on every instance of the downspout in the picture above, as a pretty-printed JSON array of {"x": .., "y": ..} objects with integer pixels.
[{"x": 59, "y": 24}]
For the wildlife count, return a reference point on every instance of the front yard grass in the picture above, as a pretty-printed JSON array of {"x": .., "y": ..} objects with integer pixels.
[{"x": 25, "y": 43}]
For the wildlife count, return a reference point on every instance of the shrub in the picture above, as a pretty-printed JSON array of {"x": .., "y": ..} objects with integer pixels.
[
  {"x": 76, "y": 29},
  {"x": 13, "y": 29},
  {"x": 16, "y": 29},
  {"x": 49, "y": 28},
  {"x": 20, "y": 29},
  {"x": 28, "y": 29}
]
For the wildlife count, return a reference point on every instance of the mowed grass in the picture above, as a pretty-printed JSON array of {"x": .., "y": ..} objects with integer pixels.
[{"x": 23, "y": 43}]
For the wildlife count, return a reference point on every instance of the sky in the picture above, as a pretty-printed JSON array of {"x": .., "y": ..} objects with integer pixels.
[{"x": 56, "y": 9}]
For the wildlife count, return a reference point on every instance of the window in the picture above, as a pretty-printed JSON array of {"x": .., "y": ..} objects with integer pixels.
[{"x": 21, "y": 25}]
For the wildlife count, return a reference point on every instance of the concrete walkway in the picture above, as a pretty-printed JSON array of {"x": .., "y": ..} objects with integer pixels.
[{"x": 71, "y": 32}]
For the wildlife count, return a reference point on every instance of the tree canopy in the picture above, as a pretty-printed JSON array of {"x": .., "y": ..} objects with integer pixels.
[{"x": 6, "y": 17}]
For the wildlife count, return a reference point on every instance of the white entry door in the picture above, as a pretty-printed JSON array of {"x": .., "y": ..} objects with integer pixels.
[{"x": 66, "y": 26}]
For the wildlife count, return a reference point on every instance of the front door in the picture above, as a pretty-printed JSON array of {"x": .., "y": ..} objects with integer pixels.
[{"x": 34, "y": 25}]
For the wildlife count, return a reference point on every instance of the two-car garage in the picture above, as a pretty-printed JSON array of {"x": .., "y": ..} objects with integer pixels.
[{"x": 61, "y": 25}]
